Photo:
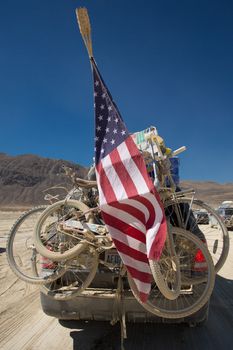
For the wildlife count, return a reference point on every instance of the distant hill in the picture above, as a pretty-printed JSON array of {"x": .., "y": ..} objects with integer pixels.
[
  {"x": 24, "y": 178},
  {"x": 210, "y": 192}
]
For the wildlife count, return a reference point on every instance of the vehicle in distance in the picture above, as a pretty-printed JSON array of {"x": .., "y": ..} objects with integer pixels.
[{"x": 225, "y": 211}]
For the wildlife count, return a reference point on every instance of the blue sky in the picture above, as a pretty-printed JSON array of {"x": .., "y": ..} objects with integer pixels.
[{"x": 167, "y": 63}]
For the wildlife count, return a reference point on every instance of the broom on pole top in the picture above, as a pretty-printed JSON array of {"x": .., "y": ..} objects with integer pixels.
[{"x": 85, "y": 28}]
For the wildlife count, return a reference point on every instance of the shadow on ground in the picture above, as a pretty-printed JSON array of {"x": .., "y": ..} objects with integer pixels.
[{"x": 216, "y": 333}]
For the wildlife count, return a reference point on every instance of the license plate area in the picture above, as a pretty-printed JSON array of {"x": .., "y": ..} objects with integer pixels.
[{"x": 112, "y": 257}]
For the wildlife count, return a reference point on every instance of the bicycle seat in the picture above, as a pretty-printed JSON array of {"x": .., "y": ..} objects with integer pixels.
[{"x": 85, "y": 183}]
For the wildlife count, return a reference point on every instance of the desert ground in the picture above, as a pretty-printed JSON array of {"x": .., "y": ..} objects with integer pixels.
[{"x": 23, "y": 325}]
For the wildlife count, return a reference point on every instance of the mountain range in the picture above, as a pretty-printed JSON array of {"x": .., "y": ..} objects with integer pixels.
[{"x": 24, "y": 179}]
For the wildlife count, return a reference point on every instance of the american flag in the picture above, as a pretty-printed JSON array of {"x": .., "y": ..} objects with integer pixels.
[{"x": 129, "y": 203}]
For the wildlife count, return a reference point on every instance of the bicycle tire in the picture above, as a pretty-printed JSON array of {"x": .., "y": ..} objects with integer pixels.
[
  {"x": 52, "y": 233},
  {"x": 217, "y": 237},
  {"x": 166, "y": 271},
  {"x": 192, "y": 297},
  {"x": 78, "y": 276},
  {"x": 164, "y": 283},
  {"x": 21, "y": 260}
]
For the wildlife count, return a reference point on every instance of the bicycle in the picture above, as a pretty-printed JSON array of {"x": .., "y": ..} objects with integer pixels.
[
  {"x": 21, "y": 253},
  {"x": 69, "y": 213},
  {"x": 181, "y": 207},
  {"x": 101, "y": 242}
]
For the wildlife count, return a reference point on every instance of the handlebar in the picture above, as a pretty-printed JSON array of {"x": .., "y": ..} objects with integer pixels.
[
  {"x": 158, "y": 141},
  {"x": 78, "y": 182},
  {"x": 179, "y": 150}
]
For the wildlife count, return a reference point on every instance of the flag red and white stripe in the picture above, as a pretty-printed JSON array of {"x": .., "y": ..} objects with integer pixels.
[{"x": 129, "y": 203}]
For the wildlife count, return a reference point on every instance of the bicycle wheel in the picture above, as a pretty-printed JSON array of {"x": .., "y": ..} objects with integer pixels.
[
  {"x": 59, "y": 233},
  {"x": 166, "y": 271},
  {"x": 197, "y": 279},
  {"x": 21, "y": 252},
  {"x": 78, "y": 276},
  {"x": 200, "y": 219}
]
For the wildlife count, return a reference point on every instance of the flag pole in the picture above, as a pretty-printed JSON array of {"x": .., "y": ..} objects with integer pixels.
[{"x": 85, "y": 29}]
